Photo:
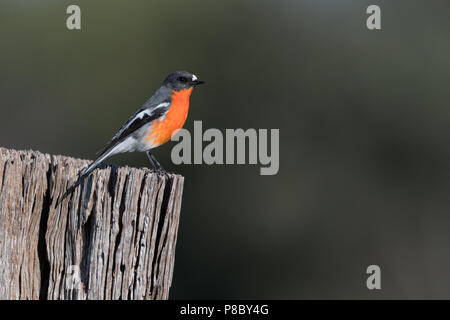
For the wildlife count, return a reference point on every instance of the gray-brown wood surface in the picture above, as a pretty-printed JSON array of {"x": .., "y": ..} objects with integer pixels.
[{"x": 113, "y": 238}]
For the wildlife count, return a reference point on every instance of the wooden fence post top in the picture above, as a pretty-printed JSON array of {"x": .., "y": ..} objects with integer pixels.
[{"x": 113, "y": 238}]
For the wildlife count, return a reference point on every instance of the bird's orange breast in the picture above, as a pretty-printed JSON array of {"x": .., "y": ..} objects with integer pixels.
[{"x": 162, "y": 130}]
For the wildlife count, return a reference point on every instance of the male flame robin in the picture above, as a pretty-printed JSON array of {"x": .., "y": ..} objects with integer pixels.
[{"x": 152, "y": 125}]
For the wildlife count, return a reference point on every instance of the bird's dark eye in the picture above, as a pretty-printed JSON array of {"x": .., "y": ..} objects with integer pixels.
[{"x": 183, "y": 79}]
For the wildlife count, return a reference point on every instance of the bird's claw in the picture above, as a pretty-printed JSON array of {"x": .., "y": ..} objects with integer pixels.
[{"x": 163, "y": 172}]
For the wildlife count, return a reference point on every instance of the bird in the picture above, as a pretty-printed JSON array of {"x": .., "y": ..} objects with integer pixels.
[{"x": 153, "y": 124}]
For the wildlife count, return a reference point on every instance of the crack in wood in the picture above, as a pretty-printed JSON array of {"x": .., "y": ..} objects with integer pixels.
[{"x": 44, "y": 264}]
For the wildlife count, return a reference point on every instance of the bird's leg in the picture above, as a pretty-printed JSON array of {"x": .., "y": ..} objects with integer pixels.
[
  {"x": 150, "y": 158},
  {"x": 160, "y": 168},
  {"x": 156, "y": 165}
]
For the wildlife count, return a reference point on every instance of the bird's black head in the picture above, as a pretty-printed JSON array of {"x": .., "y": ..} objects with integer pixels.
[{"x": 180, "y": 80}]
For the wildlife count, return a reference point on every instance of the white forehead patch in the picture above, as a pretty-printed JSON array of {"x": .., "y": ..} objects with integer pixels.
[{"x": 194, "y": 77}]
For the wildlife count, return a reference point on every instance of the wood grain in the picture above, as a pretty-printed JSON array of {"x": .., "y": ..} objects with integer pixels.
[{"x": 113, "y": 238}]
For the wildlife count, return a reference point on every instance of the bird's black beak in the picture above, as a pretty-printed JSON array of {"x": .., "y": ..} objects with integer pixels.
[{"x": 197, "y": 82}]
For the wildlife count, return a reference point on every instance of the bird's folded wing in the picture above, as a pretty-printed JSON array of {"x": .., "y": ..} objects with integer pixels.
[{"x": 140, "y": 118}]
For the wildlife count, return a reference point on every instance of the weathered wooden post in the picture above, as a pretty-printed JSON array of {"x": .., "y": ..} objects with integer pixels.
[{"x": 113, "y": 238}]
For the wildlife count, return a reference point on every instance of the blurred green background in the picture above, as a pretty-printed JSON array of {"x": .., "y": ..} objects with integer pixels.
[{"x": 364, "y": 131}]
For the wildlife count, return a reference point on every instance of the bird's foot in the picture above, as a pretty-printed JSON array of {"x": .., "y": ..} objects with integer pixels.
[{"x": 162, "y": 172}]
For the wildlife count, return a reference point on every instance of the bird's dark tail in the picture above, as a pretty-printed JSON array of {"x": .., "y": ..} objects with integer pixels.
[{"x": 82, "y": 175}]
